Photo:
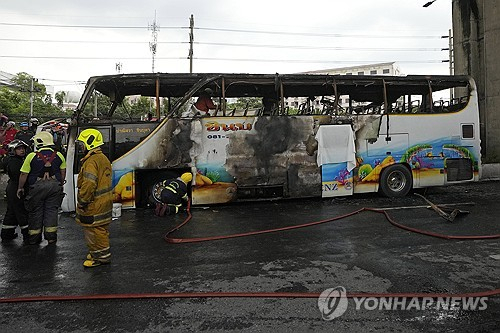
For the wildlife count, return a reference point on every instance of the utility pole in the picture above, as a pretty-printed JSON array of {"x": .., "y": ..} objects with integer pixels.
[
  {"x": 33, "y": 80},
  {"x": 191, "y": 39},
  {"x": 152, "y": 45}
]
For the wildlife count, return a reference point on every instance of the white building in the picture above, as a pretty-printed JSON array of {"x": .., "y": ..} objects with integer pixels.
[
  {"x": 5, "y": 78},
  {"x": 385, "y": 68}
]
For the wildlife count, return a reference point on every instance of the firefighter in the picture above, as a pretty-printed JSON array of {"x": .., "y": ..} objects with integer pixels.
[
  {"x": 16, "y": 214},
  {"x": 33, "y": 124},
  {"x": 45, "y": 173},
  {"x": 95, "y": 198},
  {"x": 25, "y": 134},
  {"x": 173, "y": 194}
]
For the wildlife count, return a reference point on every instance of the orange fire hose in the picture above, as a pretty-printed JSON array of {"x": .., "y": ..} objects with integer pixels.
[
  {"x": 25, "y": 299},
  {"x": 172, "y": 240},
  {"x": 488, "y": 293}
]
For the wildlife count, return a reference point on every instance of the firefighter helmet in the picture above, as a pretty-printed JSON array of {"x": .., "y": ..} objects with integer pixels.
[
  {"x": 91, "y": 138},
  {"x": 14, "y": 144},
  {"x": 43, "y": 139},
  {"x": 187, "y": 177}
]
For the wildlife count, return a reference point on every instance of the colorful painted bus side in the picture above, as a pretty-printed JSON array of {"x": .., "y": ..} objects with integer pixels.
[{"x": 317, "y": 135}]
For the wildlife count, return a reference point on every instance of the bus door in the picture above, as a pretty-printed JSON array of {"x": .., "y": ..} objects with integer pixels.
[{"x": 337, "y": 159}]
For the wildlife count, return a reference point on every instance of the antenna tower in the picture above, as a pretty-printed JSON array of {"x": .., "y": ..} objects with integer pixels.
[{"x": 154, "y": 27}]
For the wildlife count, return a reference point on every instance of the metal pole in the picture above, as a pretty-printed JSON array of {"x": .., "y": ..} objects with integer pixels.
[
  {"x": 450, "y": 47},
  {"x": 191, "y": 39},
  {"x": 31, "y": 98},
  {"x": 95, "y": 104}
]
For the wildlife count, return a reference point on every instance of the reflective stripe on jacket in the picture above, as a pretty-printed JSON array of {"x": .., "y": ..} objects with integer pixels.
[{"x": 95, "y": 198}]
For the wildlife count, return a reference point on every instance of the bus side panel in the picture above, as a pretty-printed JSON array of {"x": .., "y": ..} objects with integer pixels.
[
  {"x": 263, "y": 157},
  {"x": 425, "y": 142},
  {"x": 124, "y": 187},
  {"x": 69, "y": 200}
]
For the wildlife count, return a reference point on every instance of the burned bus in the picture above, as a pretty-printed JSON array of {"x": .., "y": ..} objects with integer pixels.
[{"x": 273, "y": 136}]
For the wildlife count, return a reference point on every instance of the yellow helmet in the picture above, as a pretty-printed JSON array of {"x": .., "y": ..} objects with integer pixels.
[
  {"x": 43, "y": 139},
  {"x": 187, "y": 177},
  {"x": 91, "y": 138}
]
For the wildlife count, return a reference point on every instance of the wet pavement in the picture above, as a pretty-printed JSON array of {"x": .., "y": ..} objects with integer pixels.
[{"x": 362, "y": 253}]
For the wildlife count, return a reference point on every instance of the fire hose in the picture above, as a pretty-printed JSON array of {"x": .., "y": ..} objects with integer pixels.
[
  {"x": 170, "y": 239},
  {"x": 178, "y": 295}
]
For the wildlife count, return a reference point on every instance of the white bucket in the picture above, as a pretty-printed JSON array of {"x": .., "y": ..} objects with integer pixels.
[{"x": 117, "y": 210}]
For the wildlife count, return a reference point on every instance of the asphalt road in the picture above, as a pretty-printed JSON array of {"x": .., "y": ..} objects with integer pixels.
[{"x": 362, "y": 253}]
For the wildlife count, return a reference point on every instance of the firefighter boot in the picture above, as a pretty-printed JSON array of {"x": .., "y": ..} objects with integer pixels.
[
  {"x": 93, "y": 263},
  {"x": 26, "y": 236},
  {"x": 8, "y": 235}
]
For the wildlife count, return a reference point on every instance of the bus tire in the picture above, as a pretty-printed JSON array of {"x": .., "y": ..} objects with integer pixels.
[
  {"x": 153, "y": 185},
  {"x": 396, "y": 181}
]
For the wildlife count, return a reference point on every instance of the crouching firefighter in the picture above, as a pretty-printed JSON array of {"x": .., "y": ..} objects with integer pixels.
[
  {"x": 173, "y": 194},
  {"x": 16, "y": 213},
  {"x": 45, "y": 172},
  {"x": 95, "y": 198}
]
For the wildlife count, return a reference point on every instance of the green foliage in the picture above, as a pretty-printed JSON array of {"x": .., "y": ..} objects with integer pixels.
[
  {"x": 245, "y": 102},
  {"x": 129, "y": 109},
  {"x": 214, "y": 176},
  {"x": 464, "y": 152},
  {"x": 412, "y": 151},
  {"x": 15, "y": 100},
  {"x": 60, "y": 95}
]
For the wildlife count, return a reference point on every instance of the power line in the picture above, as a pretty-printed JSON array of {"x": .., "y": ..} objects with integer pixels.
[
  {"x": 310, "y": 34},
  {"x": 337, "y": 48},
  {"x": 83, "y": 26},
  {"x": 321, "y": 61},
  {"x": 273, "y": 46},
  {"x": 78, "y": 41},
  {"x": 82, "y": 58},
  {"x": 219, "y": 59}
]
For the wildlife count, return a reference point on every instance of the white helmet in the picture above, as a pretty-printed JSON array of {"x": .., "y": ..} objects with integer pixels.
[{"x": 43, "y": 139}]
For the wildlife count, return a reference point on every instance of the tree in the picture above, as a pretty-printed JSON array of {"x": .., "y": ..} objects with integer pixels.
[
  {"x": 245, "y": 102},
  {"x": 60, "y": 96},
  {"x": 15, "y": 99}
]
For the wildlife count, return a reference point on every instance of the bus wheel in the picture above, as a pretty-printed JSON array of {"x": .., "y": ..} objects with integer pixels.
[
  {"x": 396, "y": 181},
  {"x": 154, "y": 185}
]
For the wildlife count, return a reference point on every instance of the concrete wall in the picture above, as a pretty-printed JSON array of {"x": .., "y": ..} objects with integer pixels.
[{"x": 476, "y": 47}]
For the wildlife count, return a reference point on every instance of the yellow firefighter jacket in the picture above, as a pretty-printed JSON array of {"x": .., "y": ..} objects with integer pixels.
[{"x": 94, "y": 199}]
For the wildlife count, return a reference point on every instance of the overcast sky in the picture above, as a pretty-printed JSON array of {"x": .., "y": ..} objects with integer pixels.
[{"x": 61, "y": 42}]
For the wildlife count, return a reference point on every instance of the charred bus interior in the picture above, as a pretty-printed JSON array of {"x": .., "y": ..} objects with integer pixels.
[{"x": 339, "y": 98}]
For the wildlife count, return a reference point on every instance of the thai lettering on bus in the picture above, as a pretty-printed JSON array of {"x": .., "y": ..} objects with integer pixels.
[{"x": 216, "y": 126}]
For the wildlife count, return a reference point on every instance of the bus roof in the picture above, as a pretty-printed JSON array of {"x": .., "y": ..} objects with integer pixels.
[{"x": 118, "y": 86}]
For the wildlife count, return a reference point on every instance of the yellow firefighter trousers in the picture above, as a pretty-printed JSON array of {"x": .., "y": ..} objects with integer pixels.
[{"x": 97, "y": 239}]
